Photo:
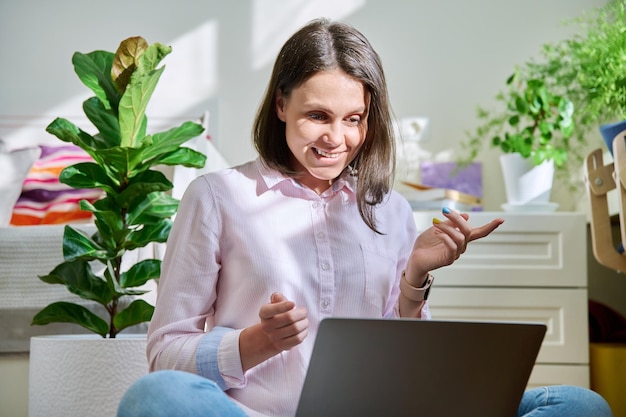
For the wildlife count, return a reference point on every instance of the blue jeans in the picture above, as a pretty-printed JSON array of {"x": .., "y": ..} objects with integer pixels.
[{"x": 175, "y": 393}]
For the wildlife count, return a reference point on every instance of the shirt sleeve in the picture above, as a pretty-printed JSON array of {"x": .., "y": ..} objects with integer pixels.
[
  {"x": 184, "y": 311},
  {"x": 218, "y": 358}
]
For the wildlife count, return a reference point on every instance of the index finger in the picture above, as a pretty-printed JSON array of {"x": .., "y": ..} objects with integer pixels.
[{"x": 486, "y": 229}]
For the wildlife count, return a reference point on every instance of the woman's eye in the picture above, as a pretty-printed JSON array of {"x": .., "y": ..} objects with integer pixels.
[
  {"x": 355, "y": 120},
  {"x": 317, "y": 116}
]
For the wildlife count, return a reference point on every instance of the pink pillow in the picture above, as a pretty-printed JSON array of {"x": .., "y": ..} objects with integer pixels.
[{"x": 45, "y": 200}]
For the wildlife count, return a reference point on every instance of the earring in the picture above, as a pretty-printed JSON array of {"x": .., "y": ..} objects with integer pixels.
[{"x": 352, "y": 171}]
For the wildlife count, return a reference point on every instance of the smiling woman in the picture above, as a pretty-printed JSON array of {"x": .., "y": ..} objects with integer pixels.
[
  {"x": 336, "y": 50},
  {"x": 326, "y": 119}
]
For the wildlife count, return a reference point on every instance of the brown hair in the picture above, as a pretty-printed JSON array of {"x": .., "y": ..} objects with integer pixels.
[{"x": 323, "y": 45}]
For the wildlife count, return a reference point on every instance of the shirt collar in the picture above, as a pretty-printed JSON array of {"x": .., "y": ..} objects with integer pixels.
[{"x": 273, "y": 178}]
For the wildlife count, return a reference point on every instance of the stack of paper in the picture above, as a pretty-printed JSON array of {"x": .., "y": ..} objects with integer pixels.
[{"x": 422, "y": 197}]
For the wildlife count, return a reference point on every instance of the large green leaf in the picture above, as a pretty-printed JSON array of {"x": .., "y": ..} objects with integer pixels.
[
  {"x": 122, "y": 162},
  {"x": 149, "y": 60},
  {"x": 105, "y": 121},
  {"x": 157, "y": 232},
  {"x": 170, "y": 140},
  {"x": 140, "y": 273},
  {"x": 181, "y": 156},
  {"x": 138, "y": 311},
  {"x": 69, "y": 132},
  {"x": 122, "y": 292},
  {"x": 154, "y": 207},
  {"x": 80, "y": 280},
  {"x": 88, "y": 175},
  {"x": 94, "y": 70},
  {"x": 133, "y": 105},
  {"x": 64, "y": 312},
  {"x": 141, "y": 185},
  {"x": 78, "y": 245},
  {"x": 109, "y": 223}
]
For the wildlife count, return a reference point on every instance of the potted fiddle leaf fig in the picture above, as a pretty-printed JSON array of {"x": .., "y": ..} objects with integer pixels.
[
  {"x": 135, "y": 210},
  {"x": 532, "y": 129}
]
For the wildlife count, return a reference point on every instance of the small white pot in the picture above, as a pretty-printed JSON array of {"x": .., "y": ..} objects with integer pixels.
[
  {"x": 525, "y": 183},
  {"x": 83, "y": 375}
]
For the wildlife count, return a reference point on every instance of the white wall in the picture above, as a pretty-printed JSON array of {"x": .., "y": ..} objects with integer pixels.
[{"x": 441, "y": 58}]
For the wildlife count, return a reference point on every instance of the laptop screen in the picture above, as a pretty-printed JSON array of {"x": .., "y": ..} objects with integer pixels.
[{"x": 401, "y": 367}]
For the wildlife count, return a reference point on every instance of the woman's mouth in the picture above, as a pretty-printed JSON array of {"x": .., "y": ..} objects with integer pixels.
[{"x": 326, "y": 154}]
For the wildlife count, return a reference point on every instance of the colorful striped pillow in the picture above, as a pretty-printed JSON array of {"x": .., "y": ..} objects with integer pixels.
[{"x": 45, "y": 200}]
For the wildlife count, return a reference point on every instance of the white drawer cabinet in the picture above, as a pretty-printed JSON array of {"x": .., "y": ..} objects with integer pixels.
[{"x": 533, "y": 268}]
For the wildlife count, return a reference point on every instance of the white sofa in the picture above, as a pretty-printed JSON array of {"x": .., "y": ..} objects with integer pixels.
[{"x": 26, "y": 252}]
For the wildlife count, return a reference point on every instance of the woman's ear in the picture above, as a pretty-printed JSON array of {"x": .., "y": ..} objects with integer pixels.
[{"x": 280, "y": 106}]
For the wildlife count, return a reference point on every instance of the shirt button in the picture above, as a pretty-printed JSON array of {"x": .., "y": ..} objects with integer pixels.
[
  {"x": 321, "y": 235},
  {"x": 316, "y": 205},
  {"x": 325, "y": 266},
  {"x": 325, "y": 303}
]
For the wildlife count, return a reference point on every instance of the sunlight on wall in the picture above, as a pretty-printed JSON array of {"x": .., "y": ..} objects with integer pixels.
[
  {"x": 190, "y": 78},
  {"x": 272, "y": 25}
]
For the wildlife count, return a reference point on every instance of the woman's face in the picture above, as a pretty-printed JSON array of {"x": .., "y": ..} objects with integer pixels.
[{"x": 326, "y": 124}]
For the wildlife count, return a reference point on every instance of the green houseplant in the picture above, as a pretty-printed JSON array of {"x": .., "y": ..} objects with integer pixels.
[
  {"x": 590, "y": 67},
  {"x": 135, "y": 209},
  {"x": 532, "y": 121},
  {"x": 532, "y": 128}
]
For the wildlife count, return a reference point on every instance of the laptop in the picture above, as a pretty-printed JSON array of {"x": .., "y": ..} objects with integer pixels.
[{"x": 430, "y": 368}]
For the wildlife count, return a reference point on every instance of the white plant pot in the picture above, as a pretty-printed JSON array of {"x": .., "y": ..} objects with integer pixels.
[
  {"x": 526, "y": 184},
  {"x": 83, "y": 375}
]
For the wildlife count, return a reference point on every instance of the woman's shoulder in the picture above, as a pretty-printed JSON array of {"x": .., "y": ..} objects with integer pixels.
[
  {"x": 220, "y": 181},
  {"x": 238, "y": 174},
  {"x": 394, "y": 207},
  {"x": 395, "y": 218},
  {"x": 396, "y": 201}
]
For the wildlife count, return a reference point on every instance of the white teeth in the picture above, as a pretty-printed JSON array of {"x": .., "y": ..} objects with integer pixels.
[{"x": 326, "y": 154}]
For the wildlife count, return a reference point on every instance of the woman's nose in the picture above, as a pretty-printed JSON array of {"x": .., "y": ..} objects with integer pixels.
[{"x": 334, "y": 134}]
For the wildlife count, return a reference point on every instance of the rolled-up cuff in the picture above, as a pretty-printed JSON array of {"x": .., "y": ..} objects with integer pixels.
[{"x": 207, "y": 361}]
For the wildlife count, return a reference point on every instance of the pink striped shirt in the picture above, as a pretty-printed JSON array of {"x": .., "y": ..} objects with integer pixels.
[{"x": 243, "y": 233}]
